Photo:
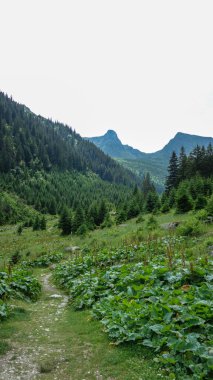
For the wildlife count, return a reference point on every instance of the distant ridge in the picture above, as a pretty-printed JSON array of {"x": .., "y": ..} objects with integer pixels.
[
  {"x": 35, "y": 141},
  {"x": 155, "y": 163},
  {"x": 183, "y": 139},
  {"x": 112, "y": 145}
]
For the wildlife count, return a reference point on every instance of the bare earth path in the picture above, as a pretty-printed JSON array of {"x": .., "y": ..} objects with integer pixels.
[
  {"x": 37, "y": 350},
  {"x": 54, "y": 342}
]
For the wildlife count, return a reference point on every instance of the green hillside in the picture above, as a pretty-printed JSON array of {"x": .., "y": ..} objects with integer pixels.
[
  {"x": 155, "y": 163},
  {"x": 38, "y": 143},
  {"x": 156, "y": 168},
  {"x": 13, "y": 209}
]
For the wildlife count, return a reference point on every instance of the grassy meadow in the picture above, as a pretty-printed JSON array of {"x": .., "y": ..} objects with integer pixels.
[{"x": 77, "y": 345}]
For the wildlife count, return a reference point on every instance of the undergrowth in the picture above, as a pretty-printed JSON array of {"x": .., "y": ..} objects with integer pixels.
[{"x": 154, "y": 294}]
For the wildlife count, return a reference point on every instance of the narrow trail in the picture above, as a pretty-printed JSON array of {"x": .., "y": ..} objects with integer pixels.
[
  {"x": 37, "y": 349},
  {"x": 54, "y": 342}
]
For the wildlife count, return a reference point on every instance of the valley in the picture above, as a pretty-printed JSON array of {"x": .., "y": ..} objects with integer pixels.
[
  {"x": 105, "y": 270},
  {"x": 154, "y": 163},
  {"x": 68, "y": 343}
]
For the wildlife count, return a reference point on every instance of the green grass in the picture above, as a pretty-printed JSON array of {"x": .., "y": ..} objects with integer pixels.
[
  {"x": 32, "y": 244},
  {"x": 87, "y": 352},
  {"x": 130, "y": 362},
  {"x": 75, "y": 347}
]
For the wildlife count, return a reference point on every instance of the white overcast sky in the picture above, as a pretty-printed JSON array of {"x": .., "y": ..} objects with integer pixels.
[{"x": 141, "y": 67}]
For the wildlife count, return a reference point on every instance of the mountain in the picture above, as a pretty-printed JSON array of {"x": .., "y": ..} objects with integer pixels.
[
  {"x": 189, "y": 142},
  {"x": 155, "y": 163},
  {"x": 48, "y": 166},
  {"x": 111, "y": 145},
  {"x": 36, "y": 142}
]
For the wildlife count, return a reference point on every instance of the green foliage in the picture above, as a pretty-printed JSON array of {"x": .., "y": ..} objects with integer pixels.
[
  {"x": 209, "y": 207},
  {"x": 183, "y": 202},
  {"x": 13, "y": 210},
  {"x": 183, "y": 199},
  {"x": 189, "y": 183},
  {"x": 121, "y": 216},
  {"x": 82, "y": 230},
  {"x": 31, "y": 141},
  {"x": 152, "y": 202},
  {"x": 78, "y": 219},
  {"x": 65, "y": 222},
  {"x": 151, "y": 223},
  {"x": 200, "y": 202},
  {"x": 166, "y": 309},
  {"x": 23, "y": 285},
  {"x": 15, "y": 258},
  {"x": 192, "y": 227},
  {"x": 20, "y": 229},
  {"x": 108, "y": 221},
  {"x": 17, "y": 284},
  {"x": 140, "y": 219},
  {"x": 44, "y": 260},
  {"x": 4, "y": 310},
  {"x": 43, "y": 224},
  {"x": 172, "y": 178},
  {"x": 39, "y": 223},
  {"x": 201, "y": 215}
]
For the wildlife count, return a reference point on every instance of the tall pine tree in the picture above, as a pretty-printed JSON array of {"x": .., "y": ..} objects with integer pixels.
[{"x": 172, "y": 178}]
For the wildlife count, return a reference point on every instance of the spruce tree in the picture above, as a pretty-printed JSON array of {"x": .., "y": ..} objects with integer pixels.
[
  {"x": 65, "y": 223},
  {"x": 147, "y": 185},
  {"x": 172, "y": 178},
  {"x": 79, "y": 219},
  {"x": 183, "y": 201},
  {"x": 36, "y": 224},
  {"x": 182, "y": 165},
  {"x": 43, "y": 223}
]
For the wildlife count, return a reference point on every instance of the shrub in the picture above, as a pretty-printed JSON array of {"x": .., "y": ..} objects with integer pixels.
[
  {"x": 15, "y": 258},
  {"x": 201, "y": 215},
  {"x": 152, "y": 223},
  {"x": 200, "y": 202},
  {"x": 140, "y": 219},
  {"x": 191, "y": 227},
  {"x": 82, "y": 230},
  {"x": 183, "y": 202},
  {"x": 209, "y": 207}
]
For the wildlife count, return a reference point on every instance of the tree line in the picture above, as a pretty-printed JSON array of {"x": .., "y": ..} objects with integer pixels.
[
  {"x": 41, "y": 144},
  {"x": 189, "y": 183}
]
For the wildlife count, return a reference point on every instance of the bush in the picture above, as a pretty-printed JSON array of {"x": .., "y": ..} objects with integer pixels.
[
  {"x": 209, "y": 207},
  {"x": 152, "y": 223},
  {"x": 165, "y": 208},
  {"x": 200, "y": 202},
  {"x": 82, "y": 230},
  {"x": 4, "y": 310},
  {"x": 15, "y": 258},
  {"x": 183, "y": 202},
  {"x": 201, "y": 215},
  {"x": 140, "y": 219},
  {"x": 191, "y": 227}
]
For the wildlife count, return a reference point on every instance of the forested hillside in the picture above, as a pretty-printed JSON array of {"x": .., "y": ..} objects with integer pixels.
[
  {"x": 51, "y": 168},
  {"x": 189, "y": 183},
  {"x": 154, "y": 163},
  {"x": 39, "y": 143}
]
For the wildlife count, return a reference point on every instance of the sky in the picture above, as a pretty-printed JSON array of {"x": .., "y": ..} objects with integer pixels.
[{"x": 141, "y": 67}]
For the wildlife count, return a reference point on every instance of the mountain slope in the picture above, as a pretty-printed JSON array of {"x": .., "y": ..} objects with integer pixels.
[
  {"x": 36, "y": 142},
  {"x": 189, "y": 142},
  {"x": 51, "y": 168},
  {"x": 155, "y": 163},
  {"x": 111, "y": 145}
]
